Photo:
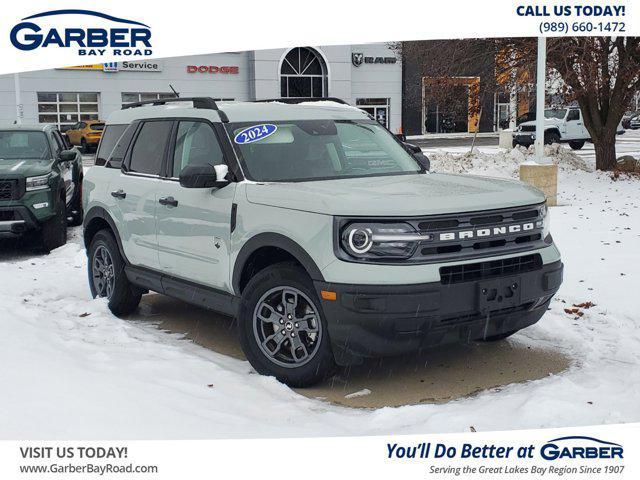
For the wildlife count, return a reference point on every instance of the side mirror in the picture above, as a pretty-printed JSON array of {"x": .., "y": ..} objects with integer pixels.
[
  {"x": 416, "y": 152},
  {"x": 423, "y": 160},
  {"x": 204, "y": 176},
  {"x": 67, "y": 156},
  {"x": 412, "y": 148}
]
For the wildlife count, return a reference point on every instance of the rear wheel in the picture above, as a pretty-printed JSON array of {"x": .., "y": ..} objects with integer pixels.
[
  {"x": 107, "y": 278},
  {"x": 54, "y": 230},
  {"x": 576, "y": 144},
  {"x": 282, "y": 328}
]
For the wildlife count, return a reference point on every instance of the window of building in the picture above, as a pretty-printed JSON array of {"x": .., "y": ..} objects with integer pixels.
[
  {"x": 66, "y": 108},
  {"x": 132, "y": 97},
  {"x": 378, "y": 108},
  {"x": 148, "y": 149},
  {"x": 303, "y": 73},
  {"x": 196, "y": 144}
]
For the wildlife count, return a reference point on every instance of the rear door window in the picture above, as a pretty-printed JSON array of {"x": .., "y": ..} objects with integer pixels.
[{"x": 149, "y": 148}]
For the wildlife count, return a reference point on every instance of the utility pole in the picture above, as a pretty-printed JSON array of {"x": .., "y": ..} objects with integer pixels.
[
  {"x": 541, "y": 75},
  {"x": 542, "y": 173}
]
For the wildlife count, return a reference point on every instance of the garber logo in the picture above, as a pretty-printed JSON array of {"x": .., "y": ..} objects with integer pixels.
[
  {"x": 121, "y": 37},
  {"x": 580, "y": 447}
]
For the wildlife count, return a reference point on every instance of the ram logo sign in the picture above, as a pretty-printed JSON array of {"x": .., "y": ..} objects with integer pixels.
[
  {"x": 93, "y": 34},
  {"x": 581, "y": 448}
]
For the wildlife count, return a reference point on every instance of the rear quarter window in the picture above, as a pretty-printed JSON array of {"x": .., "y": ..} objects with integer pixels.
[{"x": 110, "y": 137}]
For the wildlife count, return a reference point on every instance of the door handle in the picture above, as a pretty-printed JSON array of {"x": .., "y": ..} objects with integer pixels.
[
  {"x": 168, "y": 201},
  {"x": 119, "y": 194}
]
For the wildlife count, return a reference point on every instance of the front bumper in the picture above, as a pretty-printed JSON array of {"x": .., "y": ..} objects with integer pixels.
[
  {"x": 524, "y": 138},
  {"x": 16, "y": 220},
  {"x": 383, "y": 320}
]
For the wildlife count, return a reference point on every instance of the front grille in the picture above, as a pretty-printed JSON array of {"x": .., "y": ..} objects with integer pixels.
[
  {"x": 491, "y": 269},
  {"x": 527, "y": 128},
  {"x": 8, "y": 189},
  {"x": 474, "y": 235}
]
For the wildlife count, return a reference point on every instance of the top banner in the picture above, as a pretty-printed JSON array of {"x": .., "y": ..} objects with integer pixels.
[{"x": 40, "y": 34}]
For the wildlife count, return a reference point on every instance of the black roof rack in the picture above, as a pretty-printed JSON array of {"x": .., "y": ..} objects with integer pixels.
[
  {"x": 296, "y": 100},
  {"x": 206, "y": 103}
]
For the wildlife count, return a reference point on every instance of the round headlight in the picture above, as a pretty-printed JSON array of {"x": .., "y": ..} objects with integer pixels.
[{"x": 360, "y": 240}]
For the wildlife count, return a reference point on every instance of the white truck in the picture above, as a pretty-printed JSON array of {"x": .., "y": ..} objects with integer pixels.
[{"x": 561, "y": 125}]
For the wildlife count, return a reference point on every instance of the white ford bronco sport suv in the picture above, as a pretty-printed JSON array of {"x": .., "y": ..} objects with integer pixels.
[{"x": 322, "y": 233}]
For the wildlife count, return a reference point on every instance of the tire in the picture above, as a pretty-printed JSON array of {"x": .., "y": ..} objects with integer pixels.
[
  {"x": 281, "y": 290},
  {"x": 497, "y": 338},
  {"x": 77, "y": 214},
  {"x": 576, "y": 144},
  {"x": 106, "y": 263},
  {"x": 551, "y": 137},
  {"x": 84, "y": 148},
  {"x": 54, "y": 230}
]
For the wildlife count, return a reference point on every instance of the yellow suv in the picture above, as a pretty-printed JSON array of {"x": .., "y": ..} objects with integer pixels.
[{"x": 86, "y": 134}]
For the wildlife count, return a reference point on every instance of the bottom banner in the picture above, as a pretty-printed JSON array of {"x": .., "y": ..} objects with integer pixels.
[{"x": 586, "y": 452}]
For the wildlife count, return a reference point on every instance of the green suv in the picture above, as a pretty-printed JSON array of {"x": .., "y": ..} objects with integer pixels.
[
  {"x": 40, "y": 183},
  {"x": 323, "y": 234}
]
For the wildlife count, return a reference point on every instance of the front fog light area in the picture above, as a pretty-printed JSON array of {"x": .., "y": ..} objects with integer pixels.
[
  {"x": 38, "y": 206},
  {"x": 379, "y": 241}
]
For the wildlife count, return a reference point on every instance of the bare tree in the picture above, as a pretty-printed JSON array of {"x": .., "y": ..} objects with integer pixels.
[{"x": 601, "y": 74}]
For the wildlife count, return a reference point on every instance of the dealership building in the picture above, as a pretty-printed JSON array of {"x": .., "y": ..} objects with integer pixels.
[{"x": 368, "y": 76}]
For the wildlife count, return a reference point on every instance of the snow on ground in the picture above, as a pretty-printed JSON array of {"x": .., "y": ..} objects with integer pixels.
[{"x": 70, "y": 370}]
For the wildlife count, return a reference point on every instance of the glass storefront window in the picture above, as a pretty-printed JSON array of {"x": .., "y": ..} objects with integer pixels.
[{"x": 378, "y": 108}]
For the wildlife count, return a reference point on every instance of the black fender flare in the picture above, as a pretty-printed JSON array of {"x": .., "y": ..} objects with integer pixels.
[
  {"x": 278, "y": 240},
  {"x": 101, "y": 213}
]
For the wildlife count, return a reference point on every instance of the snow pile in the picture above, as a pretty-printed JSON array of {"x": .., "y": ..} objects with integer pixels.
[{"x": 503, "y": 162}]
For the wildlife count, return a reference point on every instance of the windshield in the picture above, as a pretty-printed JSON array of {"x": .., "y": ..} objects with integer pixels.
[
  {"x": 19, "y": 144},
  {"x": 302, "y": 150},
  {"x": 558, "y": 113}
]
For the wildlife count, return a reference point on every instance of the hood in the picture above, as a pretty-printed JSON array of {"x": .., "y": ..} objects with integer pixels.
[
  {"x": 24, "y": 167},
  {"x": 401, "y": 195},
  {"x": 547, "y": 122}
]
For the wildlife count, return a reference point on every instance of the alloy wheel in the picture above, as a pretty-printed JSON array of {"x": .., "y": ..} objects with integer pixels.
[
  {"x": 103, "y": 272},
  {"x": 287, "y": 327}
]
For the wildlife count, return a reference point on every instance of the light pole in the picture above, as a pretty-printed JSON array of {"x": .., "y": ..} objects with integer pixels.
[
  {"x": 542, "y": 173},
  {"x": 541, "y": 75},
  {"x": 19, "y": 106}
]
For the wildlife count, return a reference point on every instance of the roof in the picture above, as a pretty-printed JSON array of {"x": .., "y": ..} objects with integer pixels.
[
  {"x": 39, "y": 127},
  {"x": 243, "y": 112}
]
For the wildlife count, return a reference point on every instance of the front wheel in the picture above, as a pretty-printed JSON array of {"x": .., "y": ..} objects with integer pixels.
[
  {"x": 84, "y": 148},
  {"x": 576, "y": 144},
  {"x": 107, "y": 278},
  {"x": 283, "y": 332},
  {"x": 551, "y": 137}
]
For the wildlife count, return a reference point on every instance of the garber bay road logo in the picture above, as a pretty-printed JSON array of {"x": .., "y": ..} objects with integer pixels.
[
  {"x": 580, "y": 447},
  {"x": 91, "y": 33}
]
